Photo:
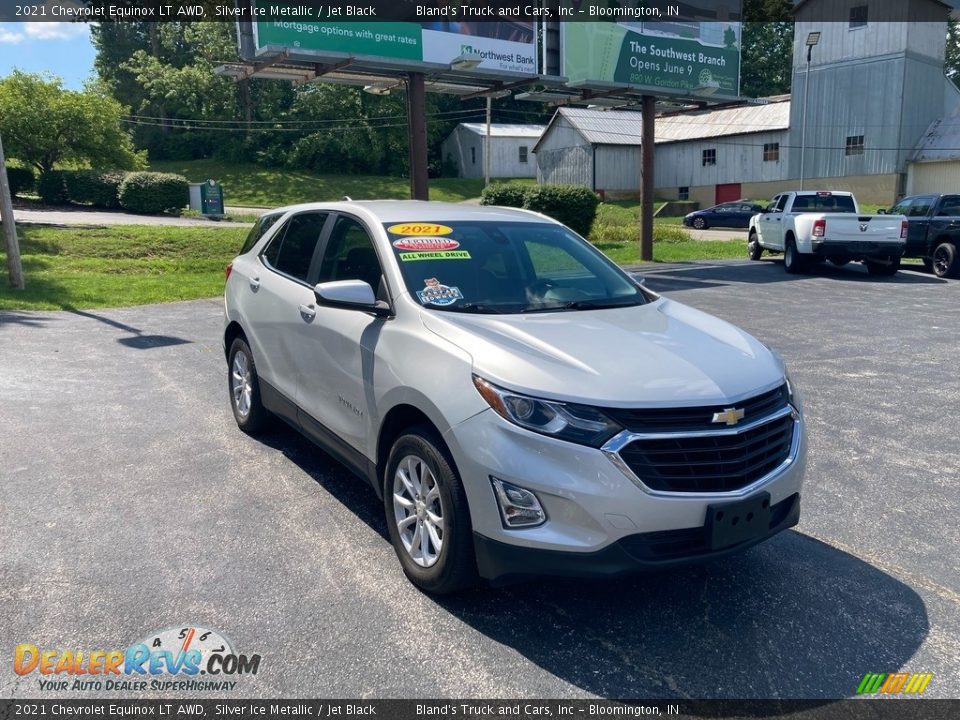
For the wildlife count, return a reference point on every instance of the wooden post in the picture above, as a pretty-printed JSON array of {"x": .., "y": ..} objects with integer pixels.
[
  {"x": 417, "y": 134},
  {"x": 646, "y": 178},
  {"x": 14, "y": 266}
]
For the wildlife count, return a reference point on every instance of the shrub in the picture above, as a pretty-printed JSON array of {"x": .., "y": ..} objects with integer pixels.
[
  {"x": 100, "y": 188},
  {"x": 574, "y": 206},
  {"x": 151, "y": 192},
  {"x": 504, "y": 194},
  {"x": 21, "y": 179},
  {"x": 51, "y": 187}
]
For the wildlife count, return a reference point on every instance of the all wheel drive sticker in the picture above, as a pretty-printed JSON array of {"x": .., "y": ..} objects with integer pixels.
[{"x": 427, "y": 241}]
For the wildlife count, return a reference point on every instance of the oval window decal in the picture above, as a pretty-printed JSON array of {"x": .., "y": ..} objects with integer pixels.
[
  {"x": 419, "y": 228},
  {"x": 425, "y": 244}
]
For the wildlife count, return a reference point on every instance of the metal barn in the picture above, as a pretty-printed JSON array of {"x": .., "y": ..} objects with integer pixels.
[{"x": 511, "y": 149}]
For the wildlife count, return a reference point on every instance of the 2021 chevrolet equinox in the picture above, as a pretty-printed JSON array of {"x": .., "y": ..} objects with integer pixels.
[{"x": 521, "y": 404}]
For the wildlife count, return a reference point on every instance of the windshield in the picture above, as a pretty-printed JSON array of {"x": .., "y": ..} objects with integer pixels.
[{"x": 488, "y": 267}]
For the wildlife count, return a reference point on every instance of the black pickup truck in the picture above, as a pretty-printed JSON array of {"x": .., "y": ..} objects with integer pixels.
[{"x": 933, "y": 231}]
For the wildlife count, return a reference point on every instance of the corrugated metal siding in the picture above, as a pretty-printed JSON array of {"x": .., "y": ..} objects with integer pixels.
[
  {"x": 933, "y": 177},
  {"x": 618, "y": 167},
  {"x": 739, "y": 160},
  {"x": 862, "y": 98},
  {"x": 568, "y": 165},
  {"x": 563, "y": 155},
  {"x": 504, "y": 154}
]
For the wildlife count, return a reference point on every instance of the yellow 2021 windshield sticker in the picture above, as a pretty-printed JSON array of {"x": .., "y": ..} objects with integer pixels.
[{"x": 419, "y": 228}]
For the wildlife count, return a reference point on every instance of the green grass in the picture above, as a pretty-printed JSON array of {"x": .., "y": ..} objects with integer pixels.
[
  {"x": 121, "y": 265},
  {"x": 250, "y": 185}
]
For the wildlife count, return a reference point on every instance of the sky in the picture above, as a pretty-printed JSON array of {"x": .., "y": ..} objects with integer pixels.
[{"x": 61, "y": 48}]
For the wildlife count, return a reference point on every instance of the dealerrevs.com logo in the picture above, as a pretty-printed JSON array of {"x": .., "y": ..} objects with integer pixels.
[{"x": 182, "y": 658}]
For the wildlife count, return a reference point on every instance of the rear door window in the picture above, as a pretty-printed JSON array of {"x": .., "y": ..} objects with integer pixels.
[
  {"x": 259, "y": 229},
  {"x": 291, "y": 250}
]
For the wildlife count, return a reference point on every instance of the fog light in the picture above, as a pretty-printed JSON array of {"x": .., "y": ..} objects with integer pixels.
[{"x": 518, "y": 507}]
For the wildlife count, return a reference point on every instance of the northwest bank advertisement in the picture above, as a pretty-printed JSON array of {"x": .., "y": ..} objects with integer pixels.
[
  {"x": 504, "y": 46},
  {"x": 643, "y": 46}
]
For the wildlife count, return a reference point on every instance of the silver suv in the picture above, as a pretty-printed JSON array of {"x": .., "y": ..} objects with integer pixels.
[{"x": 521, "y": 404}]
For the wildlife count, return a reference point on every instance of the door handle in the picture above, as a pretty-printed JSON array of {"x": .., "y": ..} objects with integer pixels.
[
  {"x": 255, "y": 283},
  {"x": 308, "y": 312}
]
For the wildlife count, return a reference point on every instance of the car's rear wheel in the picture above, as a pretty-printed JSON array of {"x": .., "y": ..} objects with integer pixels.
[
  {"x": 699, "y": 223},
  {"x": 884, "y": 269},
  {"x": 754, "y": 249},
  {"x": 793, "y": 262},
  {"x": 427, "y": 514},
  {"x": 244, "y": 385},
  {"x": 945, "y": 260}
]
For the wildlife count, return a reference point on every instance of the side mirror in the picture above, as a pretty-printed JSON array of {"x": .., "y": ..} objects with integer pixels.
[
  {"x": 881, "y": 211},
  {"x": 351, "y": 294}
]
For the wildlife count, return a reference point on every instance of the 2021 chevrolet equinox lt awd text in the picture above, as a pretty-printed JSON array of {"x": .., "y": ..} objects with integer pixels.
[{"x": 521, "y": 404}]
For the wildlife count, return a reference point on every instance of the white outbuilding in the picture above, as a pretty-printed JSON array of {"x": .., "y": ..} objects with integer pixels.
[{"x": 511, "y": 149}]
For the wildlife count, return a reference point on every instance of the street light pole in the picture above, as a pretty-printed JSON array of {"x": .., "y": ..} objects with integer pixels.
[{"x": 812, "y": 39}]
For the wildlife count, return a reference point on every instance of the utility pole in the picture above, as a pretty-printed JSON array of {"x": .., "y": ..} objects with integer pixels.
[
  {"x": 14, "y": 266},
  {"x": 486, "y": 145},
  {"x": 646, "y": 177},
  {"x": 417, "y": 129}
]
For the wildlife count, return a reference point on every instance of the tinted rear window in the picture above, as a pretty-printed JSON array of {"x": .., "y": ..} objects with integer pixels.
[
  {"x": 259, "y": 229},
  {"x": 824, "y": 203}
]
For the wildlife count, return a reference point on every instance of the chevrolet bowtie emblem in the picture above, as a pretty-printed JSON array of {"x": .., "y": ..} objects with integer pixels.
[{"x": 730, "y": 416}]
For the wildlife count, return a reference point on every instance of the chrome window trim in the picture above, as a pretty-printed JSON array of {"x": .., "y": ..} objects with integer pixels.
[{"x": 614, "y": 445}]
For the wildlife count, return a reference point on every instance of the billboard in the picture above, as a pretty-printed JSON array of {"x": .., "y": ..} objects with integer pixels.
[
  {"x": 701, "y": 56},
  {"x": 503, "y": 46}
]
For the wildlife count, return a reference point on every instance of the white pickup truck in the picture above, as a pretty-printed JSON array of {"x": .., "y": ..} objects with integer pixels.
[{"x": 809, "y": 226}]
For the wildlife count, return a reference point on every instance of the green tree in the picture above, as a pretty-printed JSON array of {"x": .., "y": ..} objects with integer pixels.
[
  {"x": 44, "y": 124},
  {"x": 767, "y": 48},
  {"x": 951, "y": 63}
]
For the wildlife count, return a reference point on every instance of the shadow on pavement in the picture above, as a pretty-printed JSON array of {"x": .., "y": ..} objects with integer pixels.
[
  {"x": 138, "y": 341},
  {"x": 791, "y": 618},
  {"x": 705, "y": 274}
]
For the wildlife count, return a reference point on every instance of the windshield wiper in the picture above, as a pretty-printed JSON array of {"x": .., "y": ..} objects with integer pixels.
[
  {"x": 579, "y": 305},
  {"x": 476, "y": 308}
]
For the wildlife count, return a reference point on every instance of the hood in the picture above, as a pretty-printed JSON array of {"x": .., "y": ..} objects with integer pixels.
[{"x": 660, "y": 354}]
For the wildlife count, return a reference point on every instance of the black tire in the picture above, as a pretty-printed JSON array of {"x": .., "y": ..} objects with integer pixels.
[
  {"x": 699, "y": 223},
  {"x": 257, "y": 417},
  {"x": 944, "y": 260},
  {"x": 838, "y": 261},
  {"x": 754, "y": 249},
  {"x": 455, "y": 566},
  {"x": 883, "y": 269},
  {"x": 793, "y": 262}
]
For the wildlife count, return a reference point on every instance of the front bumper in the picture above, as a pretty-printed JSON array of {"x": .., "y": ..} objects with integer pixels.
[
  {"x": 859, "y": 250},
  {"x": 599, "y": 520},
  {"x": 503, "y": 563}
]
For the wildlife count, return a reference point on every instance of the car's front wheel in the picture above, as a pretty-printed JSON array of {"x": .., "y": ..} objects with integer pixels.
[
  {"x": 244, "y": 385},
  {"x": 699, "y": 223},
  {"x": 427, "y": 514}
]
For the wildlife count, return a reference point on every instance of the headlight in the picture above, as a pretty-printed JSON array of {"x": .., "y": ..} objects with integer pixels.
[
  {"x": 793, "y": 397},
  {"x": 574, "y": 423}
]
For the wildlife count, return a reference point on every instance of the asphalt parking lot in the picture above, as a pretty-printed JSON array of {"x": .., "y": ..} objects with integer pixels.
[{"x": 132, "y": 503}]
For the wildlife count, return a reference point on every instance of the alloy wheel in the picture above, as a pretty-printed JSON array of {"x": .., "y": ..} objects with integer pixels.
[
  {"x": 240, "y": 384},
  {"x": 418, "y": 510}
]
